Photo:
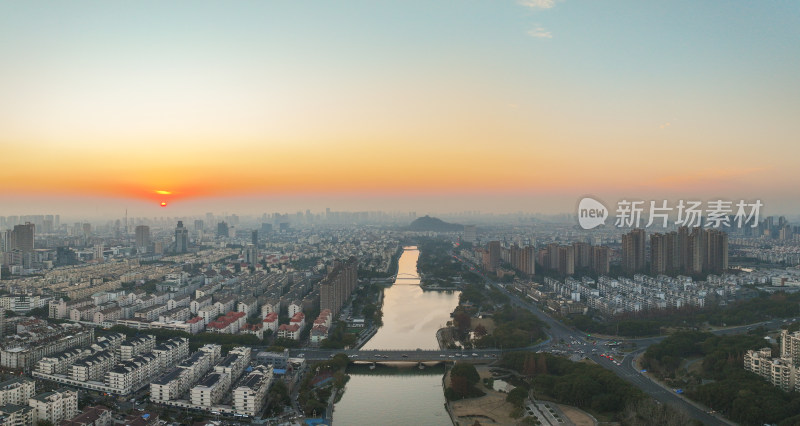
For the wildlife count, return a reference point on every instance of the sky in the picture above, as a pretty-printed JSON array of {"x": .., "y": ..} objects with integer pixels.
[{"x": 425, "y": 106}]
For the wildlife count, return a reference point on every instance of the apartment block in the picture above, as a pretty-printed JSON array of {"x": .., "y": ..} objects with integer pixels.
[
  {"x": 251, "y": 394},
  {"x": 54, "y": 406}
]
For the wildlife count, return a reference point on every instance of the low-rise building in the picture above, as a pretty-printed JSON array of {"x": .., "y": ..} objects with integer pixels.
[
  {"x": 93, "y": 368},
  {"x": 287, "y": 331},
  {"x": 136, "y": 345},
  {"x": 251, "y": 394},
  {"x": 17, "y": 391},
  {"x": 210, "y": 390},
  {"x": 91, "y": 416},
  {"x": 16, "y": 415},
  {"x": 54, "y": 406}
]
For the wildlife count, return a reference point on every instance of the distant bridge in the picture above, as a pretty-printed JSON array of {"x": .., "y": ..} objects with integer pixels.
[
  {"x": 400, "y": 355},
  {"x": 407, "y": 275}
]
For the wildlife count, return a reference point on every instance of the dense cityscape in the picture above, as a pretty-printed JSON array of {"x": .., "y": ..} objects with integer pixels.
[
  {"x": 132, "y": 320},
  {"x": 304, "y": 213}
]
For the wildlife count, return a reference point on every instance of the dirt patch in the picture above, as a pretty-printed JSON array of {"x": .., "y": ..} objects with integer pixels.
[
  {"x": 487, "y": 323},
  {"x": 579, "y": 417},
  {"x": 490, "y": 409}
]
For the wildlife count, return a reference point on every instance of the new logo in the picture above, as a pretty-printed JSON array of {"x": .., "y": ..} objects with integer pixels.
[{"x": 591, "y": 213}]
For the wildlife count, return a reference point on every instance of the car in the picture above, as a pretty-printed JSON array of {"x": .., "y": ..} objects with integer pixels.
[
  {"x": 405, "y": 356},
  {"x": 474, "y": 354},
  {"x": 301, "y": 355},
  {"x": 442, "y": 356},
  {"x": 451, "y": 356}
]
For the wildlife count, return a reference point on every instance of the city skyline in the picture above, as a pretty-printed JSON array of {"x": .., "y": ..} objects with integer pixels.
[{"x": 419, "y": 106}]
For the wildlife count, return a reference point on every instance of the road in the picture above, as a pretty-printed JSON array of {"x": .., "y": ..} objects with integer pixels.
[
  {"x": 411, "y": 355},
  {"x": 575, "y": 342},
  {"x": 624, "y": 369}
]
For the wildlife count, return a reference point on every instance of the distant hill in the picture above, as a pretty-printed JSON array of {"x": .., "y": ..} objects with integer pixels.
[{"x": 432, "y": 224}]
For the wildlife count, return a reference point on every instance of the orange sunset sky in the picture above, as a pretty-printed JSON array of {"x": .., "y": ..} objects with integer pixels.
[{"x": 421, "y": 106}]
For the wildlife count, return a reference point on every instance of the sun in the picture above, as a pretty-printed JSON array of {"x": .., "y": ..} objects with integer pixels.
[{"x": 163, "y": 204}]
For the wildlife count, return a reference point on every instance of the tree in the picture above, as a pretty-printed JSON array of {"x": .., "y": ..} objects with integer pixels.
[
  {"x": 480, "y": 331},
  {"x": 462, "y": 320},
  {"x": 517, "y": 396},
  {"x": 459, "y": 385},
  {"x": 467, "y": 371}
]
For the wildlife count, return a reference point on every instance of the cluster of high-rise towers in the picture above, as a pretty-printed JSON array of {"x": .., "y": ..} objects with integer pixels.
[{"x": 685, "y": 251}]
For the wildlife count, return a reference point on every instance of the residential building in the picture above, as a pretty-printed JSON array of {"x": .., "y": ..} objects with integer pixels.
[{"x": 54, "y": 406}]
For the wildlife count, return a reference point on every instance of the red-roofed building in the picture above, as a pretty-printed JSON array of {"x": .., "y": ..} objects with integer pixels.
[
  {"x": 271, "y": 322},
  {"x": 317, "y": 334},
  {"x": 254, "y": 329},
  {"x": 289, "y": 331},
  {"x": 229, "y": 323},
  {"x": 299, "y": 319}
]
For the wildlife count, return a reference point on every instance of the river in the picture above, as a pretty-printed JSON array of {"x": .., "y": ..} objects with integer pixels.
[{"x": 411, "y": 318}]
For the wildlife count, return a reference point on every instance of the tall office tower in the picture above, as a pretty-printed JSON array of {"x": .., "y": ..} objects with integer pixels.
[
  {"x": 566, "y": 260},
  {"x": 222, "y": 229},
  {"x": 98, "y": 252},
  {"x": 335, "y": 288},
  {"x": 87, "y": 230},
  {"x": 494, "y": 256},
  {"x": 198, "y": 225},
  {"x": 673, "y": 260},
  {"x": 529, "y": 260},
  {"x": 583, "y": 255},
  {"x": 181, "y": 238},
  {"x": 717, "y": 251},
  {"x": 254, "y": 238},
  {"x": 600, "y": 260},
  {"x": 633, "y": 253},
  {"x": 682, "y": 253},
  {"x": 58, "y": 222},
  {"x": 7, "y": 242},
  {"x": 250, "y": 254},
  {"x": 695, "y": 251},
  {"x": 23, "y": 237},
  {"x": 658, "y": 255},
  {"x": 142, "y": 238},
  {"x": 552, "y": 256},
  {"x": 266, "y": 228},
  {"x": 470, "y": 233}
]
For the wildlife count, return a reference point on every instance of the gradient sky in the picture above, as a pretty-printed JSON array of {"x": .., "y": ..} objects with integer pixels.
[{"x": 417, "y": 105}]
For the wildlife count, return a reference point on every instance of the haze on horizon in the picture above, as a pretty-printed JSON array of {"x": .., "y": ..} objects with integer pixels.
[{"x": 497, "y": 106}]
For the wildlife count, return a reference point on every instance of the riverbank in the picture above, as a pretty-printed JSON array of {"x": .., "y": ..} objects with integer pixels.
[
  {"x": 411, "y": 318},
  {"x": 491, "y": 408}
]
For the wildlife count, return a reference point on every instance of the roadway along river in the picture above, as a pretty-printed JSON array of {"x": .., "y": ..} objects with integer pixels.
[{"x": 410, "y": 320}]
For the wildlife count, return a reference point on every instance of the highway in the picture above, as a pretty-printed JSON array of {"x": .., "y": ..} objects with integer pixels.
[
  {"x": 410, "y": 355},
  {"x": 575, "y": 343},
  {"x": 624, "y": 369}
]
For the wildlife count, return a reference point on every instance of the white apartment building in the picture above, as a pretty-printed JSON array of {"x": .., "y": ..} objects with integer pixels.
[
  {"x": 54, "y": 406},
  {"x": 16, "y": 415},
  {"x": 171, "y": 352},
  {"x": 59, "y": 363},
  {"x": 251, "y": 394},
  {"x": 17, "y": 391},
  {"x": 92, "y": 368},
  {"x": 211, "y": 389},
  {"x": 136, "y": 345}
]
